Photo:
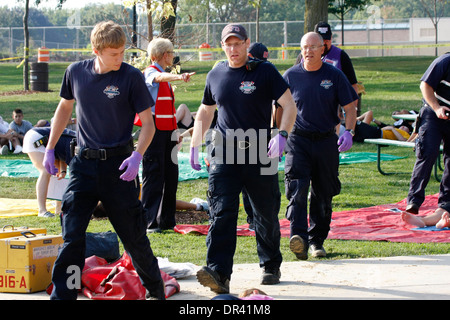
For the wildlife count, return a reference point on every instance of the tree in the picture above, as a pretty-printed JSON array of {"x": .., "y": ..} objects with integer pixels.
[
  {"x": 341, "y": 7},
  {"x": 168, "y": 21},
  {"x": 26, "y": 46},
  {"x": 315, "y": 11},
  {"x": 435, "y": 11},
  {"x": 257, "y": 5},
  {"x": 163, "y": 10}
]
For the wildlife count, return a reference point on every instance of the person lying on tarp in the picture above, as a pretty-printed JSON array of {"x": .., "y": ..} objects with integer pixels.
[
  {"x": 364, "y": 130},
  {"x": 440, "y": 218}
]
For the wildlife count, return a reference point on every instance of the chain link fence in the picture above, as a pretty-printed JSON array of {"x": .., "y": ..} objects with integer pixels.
[{"x": 384, "y": 38}]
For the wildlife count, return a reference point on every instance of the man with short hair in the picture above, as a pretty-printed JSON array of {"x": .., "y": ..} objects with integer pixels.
[
  {"x": 238, "y": 156},
  {"x": 434, "y": 127},
  {"x": 108, "y": 93},
  {"x": 312, "y": 150}
]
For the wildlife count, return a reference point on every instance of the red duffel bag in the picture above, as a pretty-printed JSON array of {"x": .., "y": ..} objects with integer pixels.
[{"x": 118, "y": 280}]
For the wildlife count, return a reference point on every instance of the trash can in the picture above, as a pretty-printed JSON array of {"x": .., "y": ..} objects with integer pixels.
[{"x": 39, "y": 76}]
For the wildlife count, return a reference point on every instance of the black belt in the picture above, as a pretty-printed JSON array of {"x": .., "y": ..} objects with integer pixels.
[
  {"x": 41, "y": 142},
  {"x": 103, "y": 154},
  {"x": 313, "y": 135}
]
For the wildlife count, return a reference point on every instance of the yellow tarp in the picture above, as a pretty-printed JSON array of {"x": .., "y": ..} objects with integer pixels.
[{"x": 12, "y": 208}]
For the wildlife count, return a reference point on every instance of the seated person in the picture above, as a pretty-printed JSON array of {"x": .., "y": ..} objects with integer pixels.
[
  {"x": 439, "y": 218},
  {"x": 18, "y": 125},
  {"x": 185, "y": 119},
  {"x": 8, "y": 139}
]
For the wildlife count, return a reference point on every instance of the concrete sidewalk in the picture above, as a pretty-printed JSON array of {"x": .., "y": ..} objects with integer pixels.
[{"x": 411, "y": 277}]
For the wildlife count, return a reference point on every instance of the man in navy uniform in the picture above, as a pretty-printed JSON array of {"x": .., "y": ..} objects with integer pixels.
[
  {"x": 108, "y": 93},
  {"x": 242, "y": 89},
  {"x": 312, "y": 150},
  {"x": 434, "y": 128}
]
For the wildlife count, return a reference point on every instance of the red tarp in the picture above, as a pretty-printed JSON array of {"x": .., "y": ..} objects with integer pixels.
[{"x": 378, "y": 223}]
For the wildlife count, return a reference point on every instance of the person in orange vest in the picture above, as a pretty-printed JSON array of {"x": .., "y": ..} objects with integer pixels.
[{"x": 160, "y": 171}]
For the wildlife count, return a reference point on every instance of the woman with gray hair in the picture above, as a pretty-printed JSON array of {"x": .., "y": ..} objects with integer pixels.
[{"x": 160, "y": 173}]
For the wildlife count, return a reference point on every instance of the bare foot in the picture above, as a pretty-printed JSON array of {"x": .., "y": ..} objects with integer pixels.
[
  {"x": 412, "y": 219},
  {"x": 444, "y": 222}
]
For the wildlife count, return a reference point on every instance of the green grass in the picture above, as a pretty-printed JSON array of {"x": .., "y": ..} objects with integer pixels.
[{"x": 391, "y": 83}]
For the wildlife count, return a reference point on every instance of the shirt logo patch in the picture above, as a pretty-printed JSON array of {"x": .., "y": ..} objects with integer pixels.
[
  {"x": 326, "y": 84},
  {"x": 111, "y": 91},
  {"x": 247, "y": 87}
]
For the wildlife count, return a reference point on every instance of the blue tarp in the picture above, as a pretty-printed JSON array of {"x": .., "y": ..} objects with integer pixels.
[{"x": 24, "y": 168}]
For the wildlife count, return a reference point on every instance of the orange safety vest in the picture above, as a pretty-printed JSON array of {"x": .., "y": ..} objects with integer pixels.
[{"x": 165, "y": 112}]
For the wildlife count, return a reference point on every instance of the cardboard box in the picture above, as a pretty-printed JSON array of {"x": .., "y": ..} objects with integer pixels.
[{"x": 26, "y": 262}]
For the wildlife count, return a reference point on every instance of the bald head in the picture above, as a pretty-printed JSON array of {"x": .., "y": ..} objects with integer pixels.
[
  {"x": 312, "y": 50},
  {"x": 311, "y": 37}
]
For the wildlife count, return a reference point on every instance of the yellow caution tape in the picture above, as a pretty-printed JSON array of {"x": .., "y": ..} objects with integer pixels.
[
  {"x": 21, "y": 63},
  {"x": 386, "y": 46},
  {"x": 353, "y": 47},
  {"x": 12, "y": 58}
]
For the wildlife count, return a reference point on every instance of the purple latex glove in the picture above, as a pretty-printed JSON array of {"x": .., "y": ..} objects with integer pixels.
[
  {"x": 132, "y": 164},
  {"x": 276, "y": 146},
  {"x": 345, "y": 142},
  {"x": 193, "y": 159},
  {"x": 49, "y": 161}
]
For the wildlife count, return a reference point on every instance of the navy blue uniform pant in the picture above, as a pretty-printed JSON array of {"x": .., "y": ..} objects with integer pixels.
[
  {"x": 92, "y": 181},
  {"x": 226, "y": 182},
  {"x": 432, "y": 132},
  {"x": 160, "y": 181},
  {"x": 316, "y": 163}
]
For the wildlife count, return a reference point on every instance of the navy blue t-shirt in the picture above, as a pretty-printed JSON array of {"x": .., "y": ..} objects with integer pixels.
[
  {"x": 317, "y": 95},
  {"x": 437, "y": 76},
  {"x": 106, "y": 104},
  {"x": 62, "y": 147},
  {"x": 244, "y": 98}
]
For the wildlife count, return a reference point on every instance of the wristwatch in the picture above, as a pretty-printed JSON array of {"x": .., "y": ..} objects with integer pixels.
[
  {"x": 352, "y": 132},
  {"x": 283, "y": 133}
]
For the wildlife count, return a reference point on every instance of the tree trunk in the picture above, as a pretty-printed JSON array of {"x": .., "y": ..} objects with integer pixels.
[
  {"x": 168, "y": 24},
  {"x": 436, "y": 39},
  {"x": 315, "y": 11},
  {"x": 26, "y": 46},
  {"x": 149, "y": 21},
  {"x": 257, "y": 24}
]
